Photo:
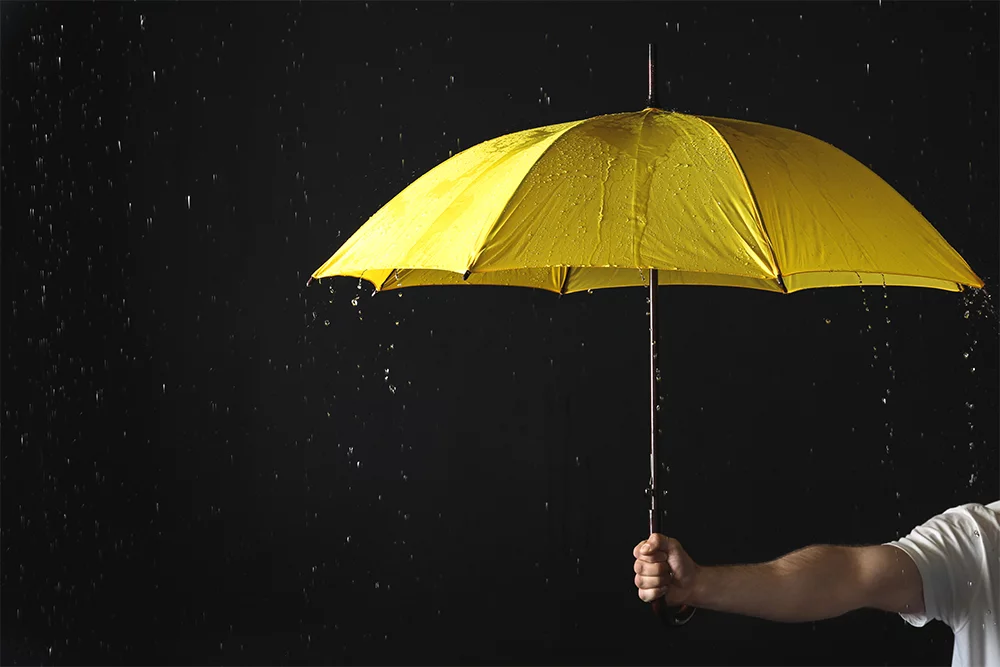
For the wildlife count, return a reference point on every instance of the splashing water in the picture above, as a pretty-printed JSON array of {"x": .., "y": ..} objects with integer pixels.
[
  {"x": 886, "y": 393},
  {"x": 979, "y": 301},
  {"x": 977, "y": 308}
]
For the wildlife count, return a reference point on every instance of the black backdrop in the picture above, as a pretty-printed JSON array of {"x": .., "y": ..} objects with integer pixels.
[{"x": 206, "y": 462}]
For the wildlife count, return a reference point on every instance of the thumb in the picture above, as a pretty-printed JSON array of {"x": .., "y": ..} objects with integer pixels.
[{"x": 654, "y": 543}]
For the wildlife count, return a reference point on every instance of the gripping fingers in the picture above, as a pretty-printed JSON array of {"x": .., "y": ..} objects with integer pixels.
[
  {"x": 652, "y": 568},
  {"x": 654, "y": 557},
  {"x": 650, "y": 594},
  {"x": 646, "y": 582}
]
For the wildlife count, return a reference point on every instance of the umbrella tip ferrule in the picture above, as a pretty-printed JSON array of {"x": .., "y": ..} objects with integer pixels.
[
  {"x": 308, "y": 281},
  {"x": 651, "y": 98}
]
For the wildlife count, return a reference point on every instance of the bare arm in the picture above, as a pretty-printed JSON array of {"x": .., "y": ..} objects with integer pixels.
[{"x": 806, "y": 585}]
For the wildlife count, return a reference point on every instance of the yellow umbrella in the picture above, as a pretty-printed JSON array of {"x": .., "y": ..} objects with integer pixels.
[{"x": 650, "y": 198}]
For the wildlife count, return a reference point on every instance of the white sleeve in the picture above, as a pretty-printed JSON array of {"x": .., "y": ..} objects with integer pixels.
[{"x": 946, "y": 553}]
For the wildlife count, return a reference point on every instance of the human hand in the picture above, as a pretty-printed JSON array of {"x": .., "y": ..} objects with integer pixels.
[{"x": 664, "y": 569}]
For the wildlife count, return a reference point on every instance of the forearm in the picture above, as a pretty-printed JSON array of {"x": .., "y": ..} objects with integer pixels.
[{"x": 806, "y": 585}]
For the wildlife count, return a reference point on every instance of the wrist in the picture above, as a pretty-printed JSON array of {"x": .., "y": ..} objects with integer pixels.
[{"x": 700, "y": 584}]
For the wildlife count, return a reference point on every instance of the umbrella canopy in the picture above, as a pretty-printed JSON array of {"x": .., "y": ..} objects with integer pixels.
[
  {"x": 651, "y": 198},
  {"x": 582, "y": 205}
]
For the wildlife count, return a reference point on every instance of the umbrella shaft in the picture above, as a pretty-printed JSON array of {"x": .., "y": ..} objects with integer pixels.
[{"x": 654, "y": 399}]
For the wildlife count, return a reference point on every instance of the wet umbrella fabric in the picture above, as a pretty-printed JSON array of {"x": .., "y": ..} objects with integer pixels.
[{"x": 597, "y": 203}]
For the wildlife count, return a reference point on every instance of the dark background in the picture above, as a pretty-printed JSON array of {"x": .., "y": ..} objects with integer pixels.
[{"x": 206, "y": 462}]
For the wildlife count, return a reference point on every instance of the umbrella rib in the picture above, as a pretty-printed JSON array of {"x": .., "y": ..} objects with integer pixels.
[
  {"x": 753, "y": 200},
  {"x": 506, "y": 211},
  {"x": 637, "y": 234},
  {"x": 386, "y": 281},
  {"x": 565, "y": 280}
]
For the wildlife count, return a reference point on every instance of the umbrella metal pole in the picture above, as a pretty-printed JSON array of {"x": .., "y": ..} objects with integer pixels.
[
  {"x": 654, "y": 339},
  {"x": 654, "y": 413},
  {"x": 674, "y": 615}
]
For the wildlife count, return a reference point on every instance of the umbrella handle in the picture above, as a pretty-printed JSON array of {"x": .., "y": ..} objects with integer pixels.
[{"x": 672, "y": 616}]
